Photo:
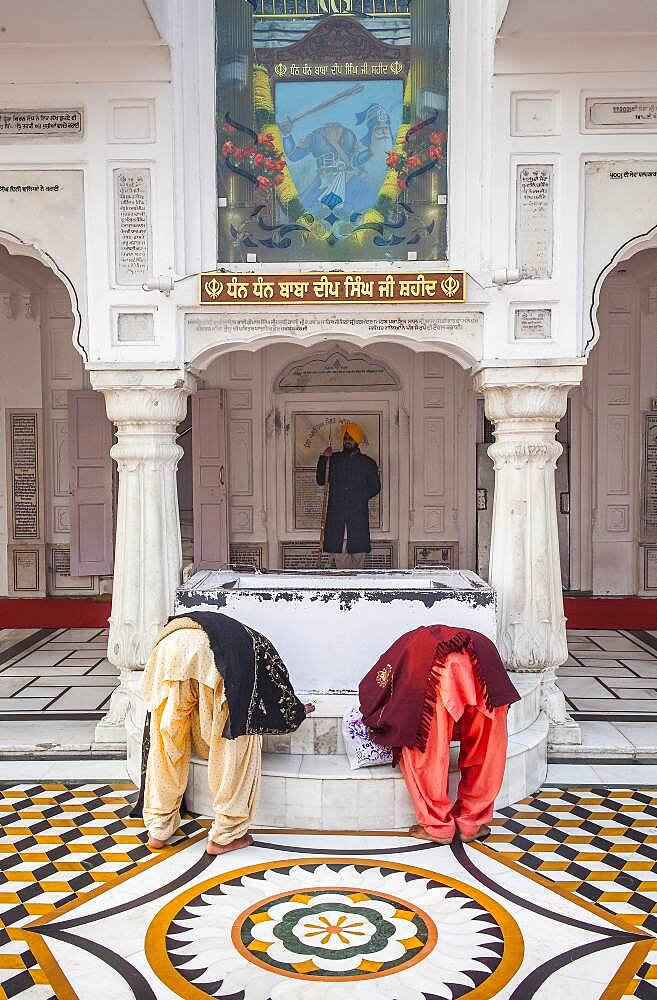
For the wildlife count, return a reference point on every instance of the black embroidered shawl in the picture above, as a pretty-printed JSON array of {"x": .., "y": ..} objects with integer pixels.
[{"x": 260, "y": 696}]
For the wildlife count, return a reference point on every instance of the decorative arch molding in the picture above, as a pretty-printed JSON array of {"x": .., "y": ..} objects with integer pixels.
[
  {"x": 18, "y": 247},
  {"x": 337, "y": 370},
  {"x": 456, "y": 334},
  {"x": 645, "y": 241}
]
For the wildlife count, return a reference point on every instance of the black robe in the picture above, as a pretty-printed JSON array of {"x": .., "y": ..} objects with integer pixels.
[{"x": 354, "y": 480}]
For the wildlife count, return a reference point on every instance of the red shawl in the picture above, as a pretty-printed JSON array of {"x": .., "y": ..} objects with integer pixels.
[{"x": 398, "y": 695}]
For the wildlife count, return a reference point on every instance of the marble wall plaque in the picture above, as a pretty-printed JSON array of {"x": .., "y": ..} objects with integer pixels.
[
  {"x": 650, "y": 569},
  {"x": 132, "y": 225},
  {"x": 434, "y": 554},
  {"x": 621, "y": 114},
  {"x": 533, "y": 324},
  {"x": 26, "y": 570},
  {"x": 61, "y": 560},
  {"x": 24, "y": 457},
  {"x": 41, "y": 123},
  {"x": 247, "y": 554},
  {"x": 534, "y": 219},
  {"x": 649, "y": 478}
]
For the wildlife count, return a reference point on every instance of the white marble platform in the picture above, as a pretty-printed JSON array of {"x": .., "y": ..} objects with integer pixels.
[
  {"x": 320, "y": 792},
  {"x": 307, "y": 782},
  {"x": 330, "y": 628}
]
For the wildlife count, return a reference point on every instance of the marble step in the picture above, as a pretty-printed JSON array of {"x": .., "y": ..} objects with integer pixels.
[
  {"x": 321, "y": 792},
  {"x": 322, "y": 732}
]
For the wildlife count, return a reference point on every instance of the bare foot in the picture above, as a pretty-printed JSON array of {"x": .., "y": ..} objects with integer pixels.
[
  {"x": 156, "y": 845},
  {"x": 310, "y": 708},
  {"x": 420, "y": 833},
  {"x": 480, "y": 834},
  {"x": 235, "y": 845}
]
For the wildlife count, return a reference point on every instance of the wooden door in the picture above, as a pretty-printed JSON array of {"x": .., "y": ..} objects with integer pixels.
[
  {"x": 210, "y": 479},
  {"x": 90, "y": 438},
  {"x": 617, "y": 447}
]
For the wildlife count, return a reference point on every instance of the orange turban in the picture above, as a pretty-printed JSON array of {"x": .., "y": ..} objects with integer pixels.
[{"x": 355, "y": 432}]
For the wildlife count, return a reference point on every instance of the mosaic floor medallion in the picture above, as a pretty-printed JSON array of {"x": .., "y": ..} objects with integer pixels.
[{"x": 341, "y": 925}]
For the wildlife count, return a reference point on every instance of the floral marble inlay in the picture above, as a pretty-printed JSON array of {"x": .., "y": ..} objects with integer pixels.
[{"x": 332, "y": 923}]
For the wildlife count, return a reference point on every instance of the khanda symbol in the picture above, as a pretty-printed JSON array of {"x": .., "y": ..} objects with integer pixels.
[
  {"x": 450, "y": 286},
  {"x": 214, "y": 288}
]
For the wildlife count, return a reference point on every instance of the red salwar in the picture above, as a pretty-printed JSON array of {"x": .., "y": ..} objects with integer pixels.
[{"x": 482, "y": 758}]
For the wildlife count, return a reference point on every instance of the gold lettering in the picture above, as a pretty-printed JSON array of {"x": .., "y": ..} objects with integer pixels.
[
  {"x": 416, "y": 288},
  {"x": 387, "y": 287},
  {"x": 294, "y": 289},
  {"x": 324, "y": 288},
  {"x": 237, "y": 289},
  {"x": 355, "y": 287},
  {"x": 263, "y": 289}
]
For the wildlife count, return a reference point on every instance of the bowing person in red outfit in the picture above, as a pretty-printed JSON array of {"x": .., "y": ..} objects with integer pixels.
[{"x": 433, "y": 685}]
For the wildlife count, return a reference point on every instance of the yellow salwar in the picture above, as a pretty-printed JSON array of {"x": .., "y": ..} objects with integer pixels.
[{"x": 184, "y": 693}]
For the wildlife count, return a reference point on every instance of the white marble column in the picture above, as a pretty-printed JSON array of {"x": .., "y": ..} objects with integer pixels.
[
  {"x": 524, "y": 403},
  {"x": 146, "y": 408}
]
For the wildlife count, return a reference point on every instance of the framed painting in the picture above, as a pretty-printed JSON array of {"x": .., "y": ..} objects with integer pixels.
[{"x": 332, "y": 129}]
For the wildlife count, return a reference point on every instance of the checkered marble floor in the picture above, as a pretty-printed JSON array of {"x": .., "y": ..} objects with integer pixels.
[{"x": 561, "y": 902}]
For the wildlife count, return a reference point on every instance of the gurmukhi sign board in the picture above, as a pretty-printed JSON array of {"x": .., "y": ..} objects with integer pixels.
[{"x": 332, "y": 288}]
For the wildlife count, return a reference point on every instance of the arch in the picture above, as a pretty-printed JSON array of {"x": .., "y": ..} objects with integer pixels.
[
  {"x": 645, "y": 241},
  {"x": 204, "y": 357},
  {"x": 16, "y": 246},
  {"x": 337, "y": 369}
]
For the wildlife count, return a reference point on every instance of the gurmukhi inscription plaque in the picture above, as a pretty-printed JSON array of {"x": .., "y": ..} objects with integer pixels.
[{"x": 534, "y": 222}]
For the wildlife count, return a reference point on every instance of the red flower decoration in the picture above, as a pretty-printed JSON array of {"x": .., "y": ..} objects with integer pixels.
[
  {"x": 271, "y": 164},
  {"x": 259, "y": 159},
  {"x": 264, "y": 182},
  {"x": 249, "y": 150},
  {"x": 436, "y": 153},
  {"x": 278, "y": 179},
  {"x": 238, "y": 154},
  {"x": 227, "y": 148},
  {"x": 414, "y": 161},
  {"x": 392, "y": 159},
  {"x": 401, "y": 183},
  {"x": 230, "y": 129}
]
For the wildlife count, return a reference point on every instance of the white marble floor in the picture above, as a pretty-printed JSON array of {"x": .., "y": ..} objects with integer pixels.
[
  {"x": 55, "y": 671},
  {"x": 610, "y": 673},
  {"x": 65, "y": 671},
  {"x": 556, "y": 905}
]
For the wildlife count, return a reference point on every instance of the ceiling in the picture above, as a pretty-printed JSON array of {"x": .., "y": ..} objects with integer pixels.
[
  {"x": 72, "y": 22},
  {"x": 568, "y": 17}
]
